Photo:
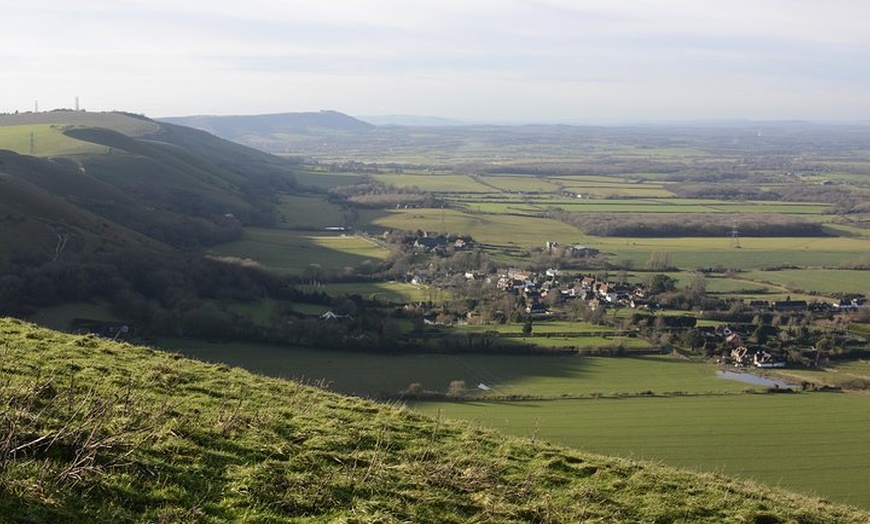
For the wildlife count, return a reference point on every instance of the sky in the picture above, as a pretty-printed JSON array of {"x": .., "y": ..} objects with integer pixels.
[{"x": 511, "y": 61}]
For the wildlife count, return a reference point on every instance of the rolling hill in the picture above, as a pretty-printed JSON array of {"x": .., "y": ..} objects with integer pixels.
[
  {"x": 122, "y": 202},
  {"x": 253, "y": 129},
  {"x": 95, "y": 431}
]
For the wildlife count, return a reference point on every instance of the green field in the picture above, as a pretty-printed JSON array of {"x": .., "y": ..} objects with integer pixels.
[
  {"x": 813, "y": 443},
  {"x": 293, "y": 252},
  {"x": 825, "y": 281},
  {"x": 47, "y": 140},
  {"x": 304, "y": 212},
  {"x": 435, "y": 182},
  {"x": 550, "y": 377},
  {"x": 400, "y": 292},
  {"x": 754, "y": 253},
  {"x": 658, "y": 408},
  {"x": 103, "y": 432},
  {"x": 324, "y": 180},
  {"x": 499, "y": 231}
]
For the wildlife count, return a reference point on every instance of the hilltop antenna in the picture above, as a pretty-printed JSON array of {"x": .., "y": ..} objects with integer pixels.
[
  {"x": 735, "y": 237},
  {"x": 77, "y": 103},
  {"x": 36, "y": 106}
]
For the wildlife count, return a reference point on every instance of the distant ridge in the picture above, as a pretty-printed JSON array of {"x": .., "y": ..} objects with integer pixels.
[
  {"x": 239, "y": 126},
  {"x": 412, "y": 120}
]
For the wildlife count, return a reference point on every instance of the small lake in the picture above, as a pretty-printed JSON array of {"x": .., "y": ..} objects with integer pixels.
[{"x": 753, "y": 379}]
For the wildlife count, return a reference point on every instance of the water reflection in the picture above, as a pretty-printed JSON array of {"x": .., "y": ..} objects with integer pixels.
[{"x": 751, "y": 378}]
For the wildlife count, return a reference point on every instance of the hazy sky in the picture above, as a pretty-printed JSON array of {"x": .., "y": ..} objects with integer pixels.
[{"x": 496, "y": 60}]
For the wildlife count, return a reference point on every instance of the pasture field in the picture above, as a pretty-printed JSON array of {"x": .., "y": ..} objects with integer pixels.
[
  {"x": 754, "y": 252},
  {"x": 813, "y": 443},
  {"x": 547, "y": 326},
  {"x": 675, "y": 205},
  {"x": 60, "y": 317},
  {"x": 326, "y": 180},
  {"x": 526, "y": 375},
  {"x": 398, "y": 292},
  {"x": 302, "y": 212},
  {"x": 293, "y": 252},
  {"x": 435, "y": 182},
  {"x": 824, "y": 281},
  {"x": 851, "y": 374},
  {"x": 497, "y": 231},
  {"x": 582, "y": 343},
  {"x": 121, "y": 122},
  {"x": 48, "y": 140},
  {"x": 507, "y": 235},
  {"x": 519, "y": 183}
]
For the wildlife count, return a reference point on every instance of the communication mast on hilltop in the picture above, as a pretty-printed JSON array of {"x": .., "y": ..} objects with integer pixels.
[
  {"x": 735, "y": 237},
  {"x": 77, "y": 104}
]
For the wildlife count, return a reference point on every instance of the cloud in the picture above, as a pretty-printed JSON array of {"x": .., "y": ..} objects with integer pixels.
[{"x": 483, "y": 59}]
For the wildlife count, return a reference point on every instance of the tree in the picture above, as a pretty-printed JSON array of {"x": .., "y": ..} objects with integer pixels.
[
  {"x": 659, "y": 261},
  {"x": 660, "y": 283}
]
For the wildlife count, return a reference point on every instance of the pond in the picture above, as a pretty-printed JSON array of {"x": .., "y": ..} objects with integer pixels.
[{"x": 753, "y": 379}]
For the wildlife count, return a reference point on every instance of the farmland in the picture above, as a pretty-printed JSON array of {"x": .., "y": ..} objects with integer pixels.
[
  {"x": 291, "y": 252},
  {"x": 765, "y": 437},
  {"x": 655, "y": 407},
  {"x": 513, "y": 200},
  {"x": 241, "y": 447},
  {"x": 412, "y": 253}
]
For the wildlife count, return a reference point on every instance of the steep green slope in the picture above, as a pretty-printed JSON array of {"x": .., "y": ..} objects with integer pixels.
[
  {"x": 126, "y": 205},
  {"x": 93, "y": 431}
]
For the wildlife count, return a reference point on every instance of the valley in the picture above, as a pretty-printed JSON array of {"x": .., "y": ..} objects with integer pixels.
[{"x": 584, "y": 276}]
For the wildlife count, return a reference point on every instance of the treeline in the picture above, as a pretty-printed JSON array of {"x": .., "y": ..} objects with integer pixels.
[
  {"x": 658, "y": 225},
  {"x": 379, "y": 195},
  {"x": 714, "y": 188}
]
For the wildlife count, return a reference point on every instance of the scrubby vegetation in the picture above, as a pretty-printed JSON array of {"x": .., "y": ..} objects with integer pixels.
[{"x": 94, "y": 431}]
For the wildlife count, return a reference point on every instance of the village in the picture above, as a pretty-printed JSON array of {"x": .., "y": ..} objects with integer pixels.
[{"x": 738, "y": 332}]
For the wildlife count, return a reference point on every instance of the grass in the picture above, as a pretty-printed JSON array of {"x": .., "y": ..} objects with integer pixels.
[
  {"x": 765, "y": 437},
  {"x": 47, "y": 140},
  {"x": 498, "y": 231},
  {"x": 825, "y": 281},
  {"x": 435, "y": 182},
  {"x": 60, "y": 317},
  {"x": 293, "y": 252},
  {"x": 398, "y": 292},
  {"x": 303, "y": 212},
  {"x": 374, "y": 375},
  {"x": 754, "y": 253},
  {"x": 324, "y": 181},
  {"x": 101, "y": 432},
  {"x": 646, "y": 426}
]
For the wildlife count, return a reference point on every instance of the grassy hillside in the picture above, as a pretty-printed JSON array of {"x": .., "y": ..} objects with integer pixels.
[
  {"x": 261, "y": 130},
  {"x": 178, "y": 186},
  {"x": 113, "y": 207},
  {"x": 94, "y": 431}
]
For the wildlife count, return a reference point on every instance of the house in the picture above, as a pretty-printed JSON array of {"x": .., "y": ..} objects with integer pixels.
[
  {"x": 582, "y": 251},
  {"x": 766, "y": 360},
  {"x": 788, "y": 305},
  {"x": 329, "y": 315}
]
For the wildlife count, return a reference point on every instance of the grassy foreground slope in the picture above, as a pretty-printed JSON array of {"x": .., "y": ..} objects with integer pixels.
[{"x": 93, "y": 431}]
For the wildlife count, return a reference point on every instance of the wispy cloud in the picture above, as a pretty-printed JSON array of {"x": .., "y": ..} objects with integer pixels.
[{"x": 487, "y": 59}]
